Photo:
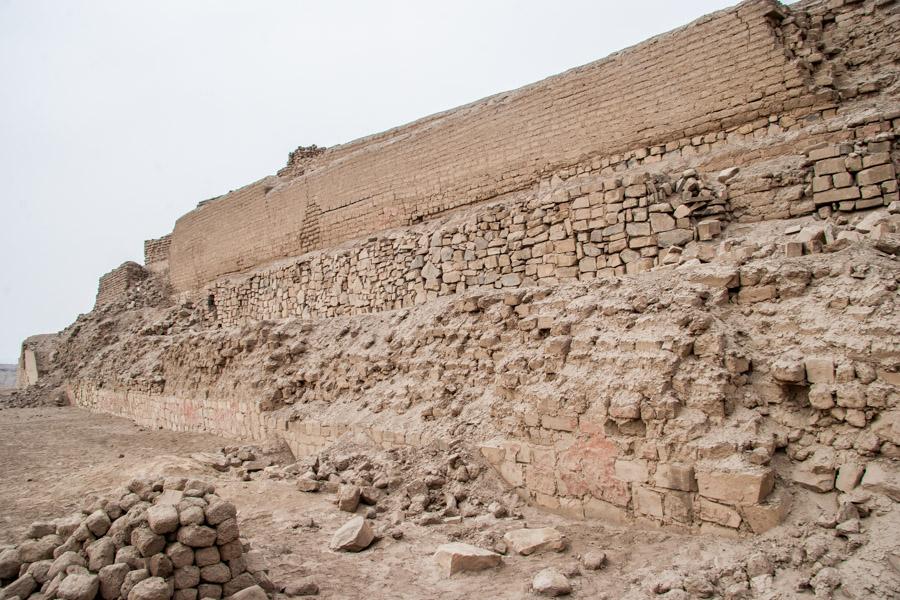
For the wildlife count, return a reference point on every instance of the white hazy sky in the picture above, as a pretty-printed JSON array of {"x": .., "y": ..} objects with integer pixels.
[{"x": 117, "y": 117}]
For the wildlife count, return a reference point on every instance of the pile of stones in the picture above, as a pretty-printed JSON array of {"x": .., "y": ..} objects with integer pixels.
[
  {"x": 244, "y": 461},
  {"x": 428, "y": 485},
  {"x": 159, "y": 539}
]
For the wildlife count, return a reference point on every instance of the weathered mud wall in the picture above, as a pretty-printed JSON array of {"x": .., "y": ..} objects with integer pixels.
[{"x": 715, "y": 75}]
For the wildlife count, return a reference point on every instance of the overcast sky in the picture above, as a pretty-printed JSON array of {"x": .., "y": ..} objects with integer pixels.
[{"x": 117, "y": 117}]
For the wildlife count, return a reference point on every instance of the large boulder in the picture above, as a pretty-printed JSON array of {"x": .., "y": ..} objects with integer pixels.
[
  {"x": 535, "y": 541},
  {"x": 457, "y": 557},
  {"x": 355, "y": 535}
]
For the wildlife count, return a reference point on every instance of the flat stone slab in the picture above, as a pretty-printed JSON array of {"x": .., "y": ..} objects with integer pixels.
[
  {"x": 458, "y": 557},
  {"x": 535, "y": 541}
]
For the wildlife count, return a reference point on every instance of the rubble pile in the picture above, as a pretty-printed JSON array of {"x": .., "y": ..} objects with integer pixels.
[
  {"x": 157, "y": 539},
  {"x": 428, "y": 485}
]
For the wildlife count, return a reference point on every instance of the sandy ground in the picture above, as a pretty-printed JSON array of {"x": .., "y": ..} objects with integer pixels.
[{"x": 52, "y": 458}]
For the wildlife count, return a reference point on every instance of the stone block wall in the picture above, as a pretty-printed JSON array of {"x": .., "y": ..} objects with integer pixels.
[
  {"x": 584, "y": 227},
  {"x": 591, "y": 224},
  {"x": 719, "y": 73},
  {"x": 114, "y": 284}
]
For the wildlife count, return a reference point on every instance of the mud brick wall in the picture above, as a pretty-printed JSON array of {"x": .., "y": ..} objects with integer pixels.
[
  {"x": 584, "y": 227},
  {"x": 724, "y": 70},
  {"x": 156, "y": 253},
  {"x": 114, "y": 284}
]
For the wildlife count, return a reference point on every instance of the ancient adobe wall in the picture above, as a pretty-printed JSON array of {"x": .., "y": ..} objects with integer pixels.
[
  {"x": 156, "y": 253},
  {"x": 576, "y": 229},
  {"x": 114, "y": 284},
  {"x": 723, "y": 70}
]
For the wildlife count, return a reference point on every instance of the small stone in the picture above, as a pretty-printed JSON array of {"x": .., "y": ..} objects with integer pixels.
[
  {"x": 153, "y": 588},
  {"x": 307, "y": 484},
  {"x": 162, "y": 518},
  {"x": 101, "y": 553},
  {"x": 187, "y": 577},
  {"x": 98, "y": 523},
  {"x": 39, "y": 529},
  {"x": 594, "y": 560},
  {"x": 180, "y": 555},
  {"x": 727, "y": 174},
  {"x": 161, "y": 566},
  {"x": 42, "y": 549},
  {"x": 63, "y": 562},
  {"x": 79, "y": 587},
  {"x": 251, "y": 593},
  {"x": 132, "y": 579},
  {"x": 21, "y": 587},
  {"x": 550, "y": 582},
  {"x": 197, "y": 536},
  {"x": 147, "y": 542},
  {"x": 206, "y": 556},
  {"x": 219, "y": 511},
  {"x": 9, "y": 563},
  {"x": 302, "y": 587},
  {"x": 191, "y": 515},
  {"x": 242, "y": 581},
  {"x": 348, "y": 498},
  {"x": 111, "y": 579},
  {"x": 535, "y": 541},
  {"x": 355, "y": 535},
  {"x": 217, "y": 573},
  {"x": 456, "y": 557}
]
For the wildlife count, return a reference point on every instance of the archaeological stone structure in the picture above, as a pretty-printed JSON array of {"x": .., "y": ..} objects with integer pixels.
[{"x": 660, "y": 288}]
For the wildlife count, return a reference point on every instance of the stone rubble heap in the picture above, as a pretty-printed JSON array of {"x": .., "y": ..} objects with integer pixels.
[
  {"x": 428, "y": 485},
  {"x": 161, "y": 539}
]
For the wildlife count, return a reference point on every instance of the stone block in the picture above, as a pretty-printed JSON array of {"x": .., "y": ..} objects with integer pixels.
[
  {"x": 771, "y": 513},
  {"x": 882, "y": 478},
  {"x": 819, "y": 369},
  {"x": 457, "y": 557},
  {"x": 631, "y": 470},
  {"x": 674, "y": 476},
  {"x": 719, "y": 514},
  {"x": 875, "y": 175},
  {"x": 648, "y": 502},
  {"x": 735, "y": 483}
]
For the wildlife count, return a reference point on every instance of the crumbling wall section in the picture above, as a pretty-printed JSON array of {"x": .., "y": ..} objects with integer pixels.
[
  {"x": 114, "y": 285},
  {"x": 713, "y": 76},
  {"x": 156, "y": 253}
]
